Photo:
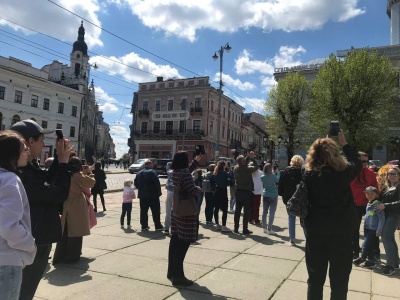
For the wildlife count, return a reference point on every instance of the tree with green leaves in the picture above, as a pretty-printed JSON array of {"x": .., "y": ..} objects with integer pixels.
[
  {"x": 287, "y": 109},
  {"x": 359, "y": 92}
]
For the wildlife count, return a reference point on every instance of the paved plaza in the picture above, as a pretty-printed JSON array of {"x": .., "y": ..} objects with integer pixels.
[{"x": 129, "y": 264}]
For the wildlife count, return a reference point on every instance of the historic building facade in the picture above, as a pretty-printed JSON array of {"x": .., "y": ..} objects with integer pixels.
[{"x": 178, "y": 114}]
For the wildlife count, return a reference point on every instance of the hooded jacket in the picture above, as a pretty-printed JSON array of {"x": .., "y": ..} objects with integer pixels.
[{"x": 17, "y": 245}]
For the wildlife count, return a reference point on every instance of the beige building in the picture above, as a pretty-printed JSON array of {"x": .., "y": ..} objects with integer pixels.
[{"x": 178, "y": 114}]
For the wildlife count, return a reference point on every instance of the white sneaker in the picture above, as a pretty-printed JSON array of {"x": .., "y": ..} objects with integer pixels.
[
  {"x": 265, "y": 230},
  {"x": 271, "y": 232}
]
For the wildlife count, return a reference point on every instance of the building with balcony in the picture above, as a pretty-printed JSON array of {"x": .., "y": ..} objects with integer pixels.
[{"x": 178, "y": 114}]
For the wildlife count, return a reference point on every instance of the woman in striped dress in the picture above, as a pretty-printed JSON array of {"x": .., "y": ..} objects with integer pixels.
[{"x": 184, "y": 216}]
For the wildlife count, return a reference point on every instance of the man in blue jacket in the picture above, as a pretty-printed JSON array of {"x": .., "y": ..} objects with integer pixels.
[
  {"x": 149, "y": 192},
  {"x": 46, "y": 190}
]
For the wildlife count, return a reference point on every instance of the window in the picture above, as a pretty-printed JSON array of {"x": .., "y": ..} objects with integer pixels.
[
  {"x": 169, "y": 127},
  {"x": 223, "y": 114},
  {"x": 211, "y": 127},
  {"x": 212, "y": 106},
  {"x": 191, "y": 82},
  {"x": 74, "y": 111},
  {"x": 196, "y": 125},
  {"x": 44, "y": 124},
  {"x": 182, "y": 126},
  {"x": 152, "y": 86},
  {"x": 183, "y": 104},
  {"x": 158, "y": 105},
  {"x": 144, "y": 127},
  {"x": 2, "y": 92},
  {"x": 156, "y": 128},
  {"x": 223, "y": 131},
  {"x": 60, "y": 107},
  {"x": 170, "y": 105},
  {"x": 1, "y": 121},
  {"x": 34, "y": 101},
  {"x": 15, "y": 119},
  {"x": 18, "y": 97},
  {"x": 59, "y": 126},
  {"x": 72, "y": 131},
  {"x": 171, "y": 84},
  {"x": 197, "y": 103},
  {"x": 143, "y": 87},
  {"x": 181, "y": 83},
  {"x": 145, "y": 105},
  {"x": 46, "y": 104}
]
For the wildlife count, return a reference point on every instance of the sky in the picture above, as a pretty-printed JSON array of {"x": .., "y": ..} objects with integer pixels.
[{"x": 134, "y": 41}]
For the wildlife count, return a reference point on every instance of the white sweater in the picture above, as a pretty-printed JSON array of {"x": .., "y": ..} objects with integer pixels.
[
  {"x": 258, "y": 186},
  {"x": 17, "y": 246}
]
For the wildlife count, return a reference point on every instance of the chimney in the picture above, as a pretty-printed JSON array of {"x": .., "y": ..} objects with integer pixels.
[{"x": 160, "y": 79}]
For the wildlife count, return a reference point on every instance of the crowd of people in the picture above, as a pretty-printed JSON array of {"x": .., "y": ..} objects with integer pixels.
[{"x": 42, "y": 206}]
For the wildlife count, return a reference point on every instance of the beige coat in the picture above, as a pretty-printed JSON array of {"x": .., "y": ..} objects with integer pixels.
[{"x": 75, "y": 209}]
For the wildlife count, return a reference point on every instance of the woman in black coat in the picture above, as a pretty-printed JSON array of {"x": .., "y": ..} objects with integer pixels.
[
  {"x": 99, "y": 186},
  {"x": 330, "y": 222}
]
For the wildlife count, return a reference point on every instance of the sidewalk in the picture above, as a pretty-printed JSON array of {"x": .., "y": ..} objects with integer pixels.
[{"x": 125, "y": 264}]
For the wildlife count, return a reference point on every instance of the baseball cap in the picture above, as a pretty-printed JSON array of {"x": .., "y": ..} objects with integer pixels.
[
  {"x": 371, "y": 189},
  {"x": 29, "y": 128}
]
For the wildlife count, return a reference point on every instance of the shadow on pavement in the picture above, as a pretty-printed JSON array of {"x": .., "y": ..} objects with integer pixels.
[{"x": 59, "y": 277}]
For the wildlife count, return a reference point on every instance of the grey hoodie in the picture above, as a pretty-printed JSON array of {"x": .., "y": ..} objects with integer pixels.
[{"x": 17, "y": 245}]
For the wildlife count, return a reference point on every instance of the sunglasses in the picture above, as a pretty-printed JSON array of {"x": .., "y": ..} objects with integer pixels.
[{"x": 393, "y": 174}]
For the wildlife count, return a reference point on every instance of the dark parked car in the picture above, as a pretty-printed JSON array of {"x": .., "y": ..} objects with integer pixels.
[{"x": 160, "y": 166}]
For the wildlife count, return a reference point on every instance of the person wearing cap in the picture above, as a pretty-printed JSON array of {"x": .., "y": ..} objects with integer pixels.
[
  {"x": 373, "y": 226},
  {"x": 149, "y": 192},
  {"x": 45, "y": 191},
  {"x": 365, "y": 179}
]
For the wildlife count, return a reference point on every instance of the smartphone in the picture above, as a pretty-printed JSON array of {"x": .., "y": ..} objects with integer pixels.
[
  {"x": 59, "y": 134},
  {"x": 334, "y": 128},
  {"x": 200, "y": 150}
]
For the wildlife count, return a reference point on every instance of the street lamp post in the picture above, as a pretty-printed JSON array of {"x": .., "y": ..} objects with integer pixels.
[
  {"x": 215, "y": 57},
  {"x": 279, "y": 144}
]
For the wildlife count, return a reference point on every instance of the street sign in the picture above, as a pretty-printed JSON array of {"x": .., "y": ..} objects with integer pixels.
[{"x": 173, "y": 115}]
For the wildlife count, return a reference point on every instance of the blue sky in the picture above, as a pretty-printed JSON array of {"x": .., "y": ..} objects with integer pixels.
[{"x": 177, "y": 38}]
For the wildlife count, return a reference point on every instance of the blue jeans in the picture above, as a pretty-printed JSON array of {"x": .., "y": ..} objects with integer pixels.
[
  {"x": 10, "y": 282},
  {"x": 199, "y": 202},
  {"x": 292, "y": 226},
  {"x": 370, "y": 240},
  {"x": 232, "y": 202},
  {"x": 389, "y": 241},
  {"x": 269, "y": 203}
]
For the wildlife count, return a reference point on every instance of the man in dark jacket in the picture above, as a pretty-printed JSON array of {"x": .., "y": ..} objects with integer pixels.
[
  {"x": 149, "y": 192},
  {"x": 244, "y": 189},
  {"x": 45, "y": 191}
]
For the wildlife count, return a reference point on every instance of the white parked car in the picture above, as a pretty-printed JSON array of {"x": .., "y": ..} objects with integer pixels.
[{"x": 139, "y": 165}]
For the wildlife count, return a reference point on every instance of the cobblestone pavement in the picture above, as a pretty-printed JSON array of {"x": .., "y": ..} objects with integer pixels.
[{"x": 115, "y": 181}]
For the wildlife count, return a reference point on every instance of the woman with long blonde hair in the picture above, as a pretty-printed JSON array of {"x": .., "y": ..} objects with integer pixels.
[
  {"x": 391, "y": 204},
  {"x": 331, "y": 218}
]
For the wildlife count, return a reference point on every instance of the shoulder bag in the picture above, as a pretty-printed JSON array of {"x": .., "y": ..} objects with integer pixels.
[
  {"x": 298, "y": 204},
  {"x": 184, "y": 204}
]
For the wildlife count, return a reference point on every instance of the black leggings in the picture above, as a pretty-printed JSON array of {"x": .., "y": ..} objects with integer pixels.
[
  {"x": 221, "y": 203},
  {"x": 95, "y": 200},
  {"x": 176, "y": 255}
]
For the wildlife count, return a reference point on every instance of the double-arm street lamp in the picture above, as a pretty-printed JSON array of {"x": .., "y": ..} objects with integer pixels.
[{"x": 215, "y": 57}]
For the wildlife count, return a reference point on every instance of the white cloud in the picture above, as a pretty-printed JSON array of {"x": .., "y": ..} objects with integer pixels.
[
  {"x": 120, "y": 137},
  {"x": 184, "y": 18},
  {"x": 288, "y": 56},
  {"x": 108, "y": 107},
  {"x": 228, "y": 80},
  {"x": 48, "y": 13},
  {"x": 255, "y": 104},
  {"x": 134, "y": 68},
  {"x": 102, "y": 95},
  {"x": 244, "y": 65}
]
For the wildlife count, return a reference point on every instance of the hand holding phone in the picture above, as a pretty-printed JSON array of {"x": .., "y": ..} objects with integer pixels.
[
  {"x": 59, "y": 134},
  {"x": 200, "y": 150},
  {"x": 333, "y": 129}
]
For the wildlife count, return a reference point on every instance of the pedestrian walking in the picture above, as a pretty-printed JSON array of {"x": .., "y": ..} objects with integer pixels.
[
  {"x": 99, "y": 186},
  {"x": 127, "y": 196},
  {"x": 222, "y": 179},
  {"x": 270, "y": 198}
]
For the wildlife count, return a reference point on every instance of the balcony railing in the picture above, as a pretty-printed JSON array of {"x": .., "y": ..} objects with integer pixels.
[
  {"x": 169, "y": 133},
  {"x": 143, "y": 112},
  {"x": 196, "y": 110}
]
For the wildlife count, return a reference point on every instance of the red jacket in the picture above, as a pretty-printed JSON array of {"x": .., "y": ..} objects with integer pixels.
[{"x": 366, "y": 178}]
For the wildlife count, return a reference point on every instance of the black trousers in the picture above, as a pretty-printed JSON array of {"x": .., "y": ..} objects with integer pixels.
[
  {"x": 69, "y": 249},
  {"x": 332, "y": 249},
  {"x": 154, "y": 205},
  {"x": 95, "y": 201},
  {"x": 32, "y": 274},
  {"x": 126, "y": 210},
  {"x": 243, "y": 200},
  {"x": 221, "y": 203},
  {"x": 176, "y": 255},
  {"x": 209, "y": 206},
  {"x": 356, "y": 237}
]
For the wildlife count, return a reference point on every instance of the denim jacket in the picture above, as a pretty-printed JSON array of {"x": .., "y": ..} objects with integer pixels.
[{"x": 374, "y": 219}]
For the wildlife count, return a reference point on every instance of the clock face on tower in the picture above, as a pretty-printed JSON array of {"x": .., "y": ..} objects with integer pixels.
[{"x": 78, "y": 55}]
